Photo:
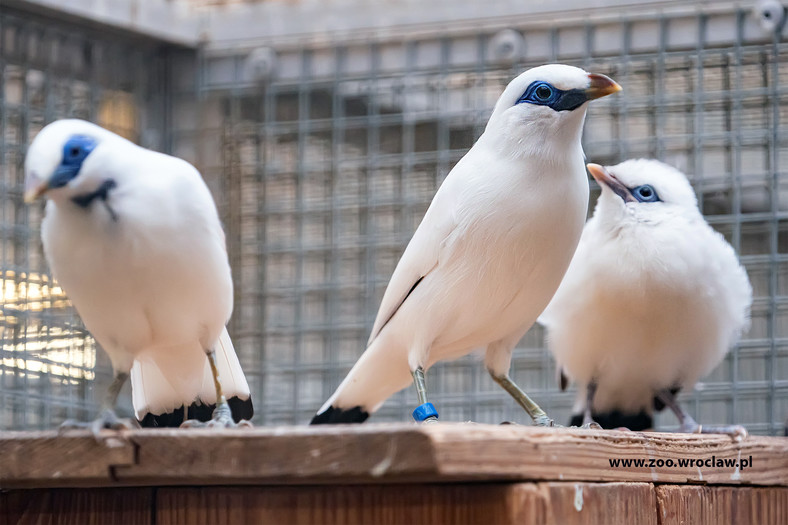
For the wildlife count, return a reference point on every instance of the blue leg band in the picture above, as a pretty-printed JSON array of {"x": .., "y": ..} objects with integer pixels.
[{"x": 425, "y": 411}]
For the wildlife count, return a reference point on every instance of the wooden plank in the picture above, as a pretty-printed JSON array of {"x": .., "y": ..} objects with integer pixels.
[
  {"x": 514, "y": 452},
  {"x": 379, "y": 504},
  {"x": 381, "y": 453},
  {"x": 76, "y": 506},
  {"x": 40, "y": 459},
  {"x": 594, "y": 503},
  {"x": 714, "y": 505},
  {"x": 518, "y": 503},
  {"x": 280, "y": 456}
]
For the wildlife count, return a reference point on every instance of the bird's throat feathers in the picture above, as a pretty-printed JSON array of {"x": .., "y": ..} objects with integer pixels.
[{"x": 538, "y": 151}]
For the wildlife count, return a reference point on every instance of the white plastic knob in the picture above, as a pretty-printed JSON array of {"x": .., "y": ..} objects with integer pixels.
[
  {"x": 506, "y": 46},
  {"x": 260, "y": 65},
  {"x": 770, "y": 15}
]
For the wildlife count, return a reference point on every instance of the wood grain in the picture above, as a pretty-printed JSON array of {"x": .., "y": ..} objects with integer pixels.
[
  {"x": 595, "y": 503},
  {"x": 378, "y": 453},
  {"x": 40, "y": 459},
  {"x": 548, "y": 503},
  {"x": 518, "y": 503},
  {"x": 512, "y": 452},
  {"x": 77, "y": 507},
  {"x": 714, "y": 505}
]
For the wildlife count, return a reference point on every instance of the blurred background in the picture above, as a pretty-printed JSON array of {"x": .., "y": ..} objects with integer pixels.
[{"x": 325, "y": 127}]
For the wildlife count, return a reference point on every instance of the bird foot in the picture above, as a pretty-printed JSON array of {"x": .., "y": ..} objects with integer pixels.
[
  {"x": 544, "y": 421},
  {"x": 585, "y": 426},
  {"x": 107, "y": 420},
  {"x": 736, "y": 432},
  {"x": 222, "y": 418}
]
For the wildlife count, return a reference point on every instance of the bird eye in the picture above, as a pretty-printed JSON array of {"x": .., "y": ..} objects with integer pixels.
[
  {"x": 645, "y": 193},
  {"x": 74, "y": 151},
  {"x": 543, "y": 92}
]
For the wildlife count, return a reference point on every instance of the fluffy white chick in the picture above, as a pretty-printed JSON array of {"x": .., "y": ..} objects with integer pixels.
[
  {"x": 653, "y": 299},
  {"x": 490, "y": 251},
  {"x": 133, "y": 237}
]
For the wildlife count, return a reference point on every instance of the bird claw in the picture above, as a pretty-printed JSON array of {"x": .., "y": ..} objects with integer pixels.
[
  {"x": 736, "y": 432},
  {"x": 544, "y": 421},
  {"x": 222, "y": 418},
  {"x": 588, "y": 424},
  {"x": 107, "y": 420},
  {"x": 216, "y": 423}
]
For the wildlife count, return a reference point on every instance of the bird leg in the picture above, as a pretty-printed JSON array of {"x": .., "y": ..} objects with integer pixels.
[
  {"x": 425, "y": 412},
  {"x": 222, "y": 415},
  {"x": 107, "y": 419},
  {"x": 588, "y": 418},
  {"x": 689, "y": 425},
  {"x": 537, "y": 414}
]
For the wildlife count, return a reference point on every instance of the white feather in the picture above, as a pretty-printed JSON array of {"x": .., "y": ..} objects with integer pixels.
[
  {"x": 153, "y": 285},
  {"x": 490, "y": 251},
  {"x": 654, "y": 297},
  {"x": 153, "y": 391}
]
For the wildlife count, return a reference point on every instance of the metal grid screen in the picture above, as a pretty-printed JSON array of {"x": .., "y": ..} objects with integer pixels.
[
  {"x": 323, "y": 157},
  {"x": 49, "y": 365},
  {"x": 330, "y": 159}
]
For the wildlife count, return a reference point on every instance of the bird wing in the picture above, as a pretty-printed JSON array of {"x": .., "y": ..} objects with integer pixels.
[
  {"x": 574, "y": 273},
  {"x": 231, "y": 374},
  {"x": 422, "y": 254},
  {"x": 166, "y": 380}
]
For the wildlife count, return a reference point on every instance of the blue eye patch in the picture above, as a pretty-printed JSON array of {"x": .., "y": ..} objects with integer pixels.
[
  {"x": 75, "y": 151},
  {"x": 543, "y": 93}
]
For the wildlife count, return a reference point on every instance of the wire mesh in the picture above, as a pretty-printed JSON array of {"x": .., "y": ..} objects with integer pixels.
[
  {"x": 48, "y": 362},
  {"x": 323, "y": 169},
  {"x": 333, "y": 161}
]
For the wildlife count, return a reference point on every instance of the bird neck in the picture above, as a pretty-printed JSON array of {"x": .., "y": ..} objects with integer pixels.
[{"x": 543, "y": 148}]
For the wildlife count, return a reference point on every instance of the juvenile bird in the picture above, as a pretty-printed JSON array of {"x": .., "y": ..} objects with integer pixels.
[
  {"x": 490, "y": 252},
  {"x": 134, "y": 238},
  {"x": 653, "y": 300}
]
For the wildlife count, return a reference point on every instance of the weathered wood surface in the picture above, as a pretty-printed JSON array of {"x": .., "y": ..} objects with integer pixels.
[
  {"x": 716, "y": 505},
  {"x": 378, "y": 453},
  {"x": 490, "y": 503},
  {"x": 117, "y": 506},
  {"x": 543, "y": 503}
]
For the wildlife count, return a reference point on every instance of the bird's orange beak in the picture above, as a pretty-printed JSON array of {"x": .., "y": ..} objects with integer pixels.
[
  {"x": 604, "y": 177},
  {"x": 600, "y": 86},
  {"x": 34, "y": 189}
]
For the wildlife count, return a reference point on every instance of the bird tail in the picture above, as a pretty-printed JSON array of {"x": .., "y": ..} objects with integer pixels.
[
  {"x": 380, "y": 372},
  {"x": 167, "y": 383}
]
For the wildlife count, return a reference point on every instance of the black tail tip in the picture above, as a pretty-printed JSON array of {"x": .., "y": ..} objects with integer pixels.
[
  {"x": 337, "y": 416},
  {"x": 616, "y": 419},
  {"x": 241, "y": 409}
]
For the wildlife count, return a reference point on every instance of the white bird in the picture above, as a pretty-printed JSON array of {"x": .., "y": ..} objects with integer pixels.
[
  {"x": 653, "y": 299},
  {"x": 133, "y": 237},
  {"x": 490, "y": 251}
]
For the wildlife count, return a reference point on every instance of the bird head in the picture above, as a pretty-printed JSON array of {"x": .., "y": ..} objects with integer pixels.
[
  {"x": 545, "y": 107},
  {"x": 60, "y": 161},
  {"x": 645, "y": 190}
]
